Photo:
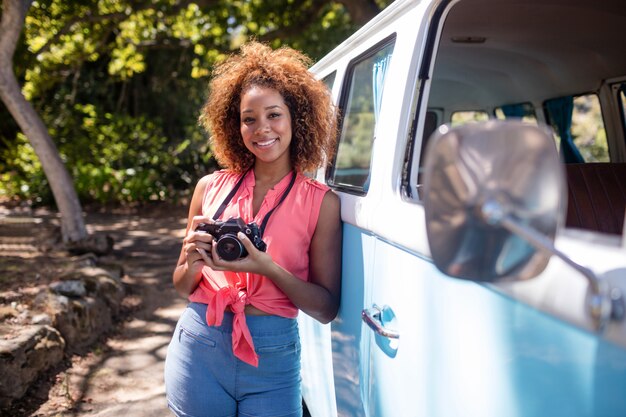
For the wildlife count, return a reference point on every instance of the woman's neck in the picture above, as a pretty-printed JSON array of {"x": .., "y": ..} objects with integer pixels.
[{"x": 270, "y": 174}]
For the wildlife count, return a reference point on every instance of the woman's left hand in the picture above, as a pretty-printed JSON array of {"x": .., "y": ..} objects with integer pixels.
[{"x": 256, "y": 261}]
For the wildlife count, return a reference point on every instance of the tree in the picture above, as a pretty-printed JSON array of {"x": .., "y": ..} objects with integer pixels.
[
  {"x": 72, "y": 223},
  {"x": 118, "y": 83}
]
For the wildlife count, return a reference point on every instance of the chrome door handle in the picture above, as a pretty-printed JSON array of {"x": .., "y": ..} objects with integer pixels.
[{"x": 373, "y": 318}]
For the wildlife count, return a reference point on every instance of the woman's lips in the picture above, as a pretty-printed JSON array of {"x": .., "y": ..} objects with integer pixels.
[{"x": 266, "y": 143}]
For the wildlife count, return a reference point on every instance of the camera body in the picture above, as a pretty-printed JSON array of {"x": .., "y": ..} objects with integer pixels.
[{"x": 229, "y": 247}]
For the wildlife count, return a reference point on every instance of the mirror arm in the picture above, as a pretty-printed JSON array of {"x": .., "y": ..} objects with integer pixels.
[{"x": 604, "y": 303}]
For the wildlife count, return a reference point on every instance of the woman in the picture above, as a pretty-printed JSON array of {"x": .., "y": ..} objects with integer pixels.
[{"x": 236, "y": 349}]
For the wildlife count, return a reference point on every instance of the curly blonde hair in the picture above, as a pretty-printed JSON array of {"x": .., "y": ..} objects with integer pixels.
[{"x": 313, "y": 115}]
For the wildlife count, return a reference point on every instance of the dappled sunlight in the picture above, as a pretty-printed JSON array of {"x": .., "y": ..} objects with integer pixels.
[{"x": 124, "y": 370}]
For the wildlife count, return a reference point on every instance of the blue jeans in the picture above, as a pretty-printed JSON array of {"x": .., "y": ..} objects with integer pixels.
[{"x": 204, "y": 378}]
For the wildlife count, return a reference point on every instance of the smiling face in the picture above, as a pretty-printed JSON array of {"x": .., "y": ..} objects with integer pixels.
[{"x": 266, "y": 125}]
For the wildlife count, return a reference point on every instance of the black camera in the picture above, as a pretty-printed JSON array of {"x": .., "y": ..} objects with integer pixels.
[{"x": 229, "y": 247}]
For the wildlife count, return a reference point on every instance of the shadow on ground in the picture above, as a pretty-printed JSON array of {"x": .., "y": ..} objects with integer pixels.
[{"x": 123, "y": 374}]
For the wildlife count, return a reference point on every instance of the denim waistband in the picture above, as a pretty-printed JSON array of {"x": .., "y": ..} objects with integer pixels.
[{"x": 258, "y": 325}]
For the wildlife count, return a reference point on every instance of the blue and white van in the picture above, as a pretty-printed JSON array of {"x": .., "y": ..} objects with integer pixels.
[{"x": 482, "y": 173}]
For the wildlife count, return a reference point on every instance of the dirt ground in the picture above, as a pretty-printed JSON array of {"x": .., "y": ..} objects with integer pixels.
[{"x": 123, "y": 374}]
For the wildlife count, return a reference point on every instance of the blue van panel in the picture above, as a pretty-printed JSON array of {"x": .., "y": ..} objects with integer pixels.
[
  {"x": 350, "y": 358},
  {"x": 464, "y": 348}
]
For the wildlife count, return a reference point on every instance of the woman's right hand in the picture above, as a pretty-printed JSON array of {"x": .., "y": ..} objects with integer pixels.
[
  {"x": 196, "y": 244},
  {"x": 188, "y": 271}
]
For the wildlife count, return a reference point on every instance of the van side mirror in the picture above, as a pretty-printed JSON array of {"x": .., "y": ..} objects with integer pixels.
[{"x": 494, "y": 198}]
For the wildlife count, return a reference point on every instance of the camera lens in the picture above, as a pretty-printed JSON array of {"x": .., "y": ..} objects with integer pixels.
[{"x": 230, "y": 248}]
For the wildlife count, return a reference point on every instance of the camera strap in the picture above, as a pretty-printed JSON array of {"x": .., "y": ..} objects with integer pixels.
[{"x": 230, "y": 196}]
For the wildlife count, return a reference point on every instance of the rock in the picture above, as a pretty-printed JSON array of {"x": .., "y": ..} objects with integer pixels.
[
  {"x": 87, "y": 259},
  {"x": 73, "y": 288},
  {"x": 26, "y": 352},
  {"x": 82, "y": 306},
  {"x": 98, "y": 244},
  {"x": 7, "y": 311},
  {"x": 9, "y": 296},
  {"x": 81, "y": 321},
  {"x": 44, "y": 322},
  {"x": 106, "y": 285},
  {"x": 42, "y": 318},
  {"x": 100, "y": 283}
]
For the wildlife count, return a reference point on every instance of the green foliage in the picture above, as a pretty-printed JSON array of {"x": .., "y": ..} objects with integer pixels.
[
  {"x": 20, "y": 172},
  {"x": 461, "y": 117},
  {"x": 588, "y": 129},
  {"x": 112, "y": 158},
  {"x": 356, "y": 148},
  {"x": 119, "y": 85},
  {"x": 588, "y": 132},
  {"x": 125, "y": 158}
]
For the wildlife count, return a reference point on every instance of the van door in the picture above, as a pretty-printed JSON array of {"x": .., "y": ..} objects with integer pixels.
[{"x": 360, "y": 100}]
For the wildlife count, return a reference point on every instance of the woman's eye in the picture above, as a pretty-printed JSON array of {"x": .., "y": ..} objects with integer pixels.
[
  {"x": 274, "y": 115},
  {"x": 248, "y": 120}
]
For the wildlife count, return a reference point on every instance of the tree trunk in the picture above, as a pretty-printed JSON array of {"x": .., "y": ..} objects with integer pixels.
[{"x": 72, "y": 224}]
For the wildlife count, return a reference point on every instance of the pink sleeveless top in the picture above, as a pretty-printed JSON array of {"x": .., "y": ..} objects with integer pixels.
[{"x": 288, "y": 237}]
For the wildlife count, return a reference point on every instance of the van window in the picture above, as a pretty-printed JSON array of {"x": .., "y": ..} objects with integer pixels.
[
  {"x": 360, "y": 106},
  {"x": 462, "y": 117},
  {"x": 588, "y": 134},
  {"x": 524, "y": 111}
]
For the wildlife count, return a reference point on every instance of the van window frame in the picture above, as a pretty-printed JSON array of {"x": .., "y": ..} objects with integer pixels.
[
  {"x": 343, "y": 101},
  {"x": 409, "y": 188}
]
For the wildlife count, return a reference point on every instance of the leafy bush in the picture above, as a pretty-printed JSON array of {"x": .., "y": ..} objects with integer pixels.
[
  {"x": 21, "y": 175},
  {"x": 115, "y": 159}
]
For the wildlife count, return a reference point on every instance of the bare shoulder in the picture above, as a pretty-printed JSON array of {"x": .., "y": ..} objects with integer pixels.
[
  {"x": 331, "y": 201},
  {"x": 330, "y": 212}
]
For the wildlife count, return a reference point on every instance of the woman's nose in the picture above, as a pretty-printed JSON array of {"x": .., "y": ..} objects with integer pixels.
[{"x": 262, "y": 127}]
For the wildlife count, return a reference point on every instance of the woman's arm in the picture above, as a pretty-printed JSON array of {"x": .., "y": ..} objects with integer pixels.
[
  {"x": 319, "y": 297},
  {"x": 322, "y": 300},
  {"x": 188, "y": 270}
]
